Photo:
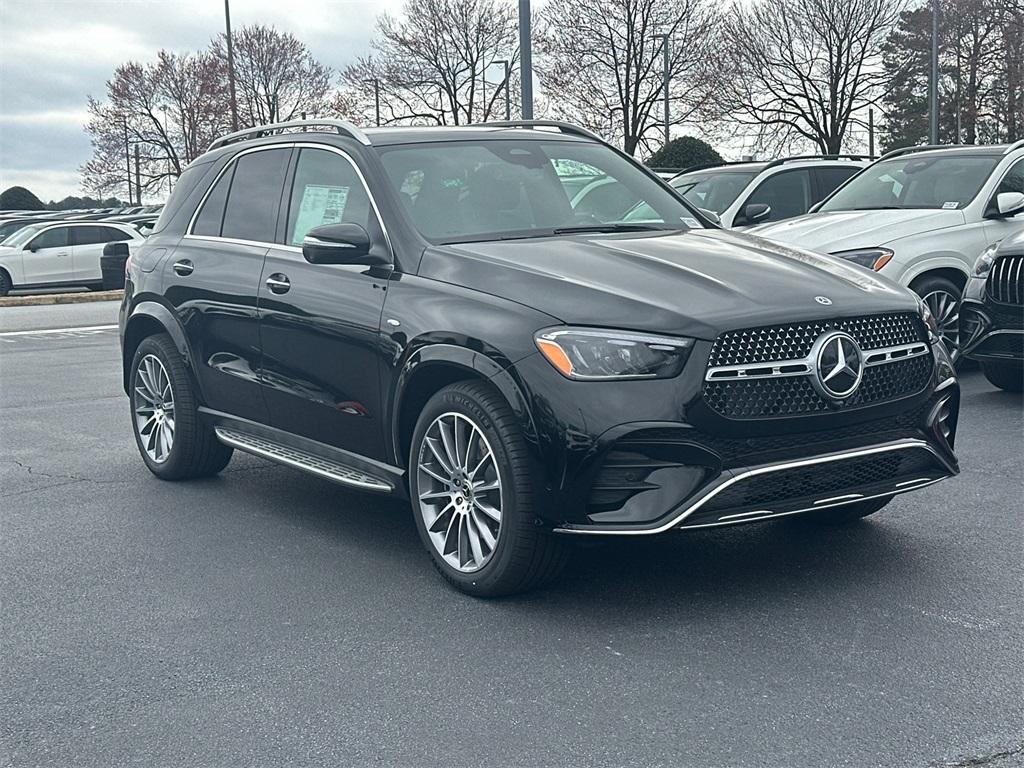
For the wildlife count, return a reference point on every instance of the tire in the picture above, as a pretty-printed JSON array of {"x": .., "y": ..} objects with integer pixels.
[
  {"x": 847, "y": 513},
  {"x": 933, "y": 289},
  {"x": 5, "y": 283},
  {"x": 526, "y": 554},
  {"x": 1005, "y": 375},
  {"x": 192, "y": 450}
]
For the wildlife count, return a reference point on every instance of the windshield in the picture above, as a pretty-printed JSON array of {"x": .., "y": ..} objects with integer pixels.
[
  {"x": 715, "y": 190},
  {"x": 473, "y": 190},
  {"x": 21, "y": 237},
  {"x": 947, "y": 182}
]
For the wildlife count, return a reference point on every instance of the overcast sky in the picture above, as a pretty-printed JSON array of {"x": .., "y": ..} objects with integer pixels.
[{"x": 53, "y": 53}]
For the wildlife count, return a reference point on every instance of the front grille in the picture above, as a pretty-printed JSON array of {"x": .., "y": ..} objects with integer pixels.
[
  {"x": 792, "y": 342},
  {"x": 780, "y": 396},
  {"x": 1006, "y": 280},
  {"x": 798, "y": 487}
]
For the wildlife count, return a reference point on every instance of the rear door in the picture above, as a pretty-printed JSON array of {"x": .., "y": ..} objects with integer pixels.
[
  {"x": 47, "y": 257},
  {"x": 320, "y": 323},
  {"x": 213, "y": 276}
]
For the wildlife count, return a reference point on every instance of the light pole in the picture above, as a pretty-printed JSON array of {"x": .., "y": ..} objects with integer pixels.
[
  {"x": 525, "y": 60},
  {"x": 376, "y": 99},
  {"x": 933, "y": 81},
  {"x": 231, "y": 67},
  {"x": 127, "y": 158},
  {"x": 507, "y": 67},
  {"x": 664, "y": 76}
]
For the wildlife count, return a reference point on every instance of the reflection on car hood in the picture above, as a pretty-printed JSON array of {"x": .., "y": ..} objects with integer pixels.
[
  {"x": 696, "y": 283},
  {"x": 833, "y": 231}
]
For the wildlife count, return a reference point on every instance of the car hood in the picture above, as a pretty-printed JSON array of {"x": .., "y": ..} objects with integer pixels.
[
  {"x": 833, "y": 231},
  {"x": 696, "y": 283}
]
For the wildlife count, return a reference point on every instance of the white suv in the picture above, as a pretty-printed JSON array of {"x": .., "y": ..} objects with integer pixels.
[
  {"x": 747, "y": 193},
  {"x": 51, "y": 254},
  {"x": 919, "y": 216}
]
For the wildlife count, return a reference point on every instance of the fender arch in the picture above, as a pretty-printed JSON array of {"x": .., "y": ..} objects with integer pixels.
[{"x": 146, "y": 319}]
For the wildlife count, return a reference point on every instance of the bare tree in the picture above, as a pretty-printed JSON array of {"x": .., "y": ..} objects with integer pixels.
[
  {"x": 804, "y": 68},
  {"x": 601, "y": 64},
  {"x": 429, "y": 65},
  {"x": 171, "y": 110},
  {"x": 276, "y": 76}
]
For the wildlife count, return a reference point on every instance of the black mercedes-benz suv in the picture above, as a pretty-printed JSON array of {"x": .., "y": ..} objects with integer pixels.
[{"x": 422, "y": 312}]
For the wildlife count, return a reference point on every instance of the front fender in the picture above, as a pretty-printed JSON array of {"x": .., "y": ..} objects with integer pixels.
[{"x": 914, "y": 270}]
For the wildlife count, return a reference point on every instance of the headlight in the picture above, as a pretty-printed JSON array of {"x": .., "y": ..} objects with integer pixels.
[
  {"x": 872, "y": 258},
  {"x": 929, "y": 320},
  {"x": 590, "y": 354},
  {"x": 983, "y": 263}
]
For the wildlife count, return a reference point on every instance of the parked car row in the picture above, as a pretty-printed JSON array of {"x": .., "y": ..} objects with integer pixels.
[{"x": 65, "y": 249}]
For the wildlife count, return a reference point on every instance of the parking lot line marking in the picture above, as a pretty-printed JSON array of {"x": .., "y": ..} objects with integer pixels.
[{"x": 59, "y": 330}]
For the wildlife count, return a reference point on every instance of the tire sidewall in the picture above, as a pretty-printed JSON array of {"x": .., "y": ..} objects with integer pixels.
[{"x": 515, "y": 501}]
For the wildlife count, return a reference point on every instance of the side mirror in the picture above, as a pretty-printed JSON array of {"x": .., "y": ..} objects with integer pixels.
[
  {"x": 711, "y": 215},
  {"x": 755, "y": 212},
  {"x": 339, "y": 244},
  {"x": 31, "y": 247},
  {"x": 119, "y": 248},
  {"x": 1009, "y": 203}
]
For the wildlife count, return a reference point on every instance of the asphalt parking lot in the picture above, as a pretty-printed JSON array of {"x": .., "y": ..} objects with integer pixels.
[{"x": 266, "y": 617}]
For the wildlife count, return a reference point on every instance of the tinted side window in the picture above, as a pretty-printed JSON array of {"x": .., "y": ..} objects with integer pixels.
[
  {"x": 788, "y": 193},
  {"x": 111, "y": 235},
  {"x": 255, "y": 196},
  {"x": 209, "y": 220},
  {"x": 51, "y": 238},
  {"x": 85, "y": 235},
  {"x": 1013, "y": 181},
  {"x": 829, "y": 180},
  {"x": 326, "y": 190}
]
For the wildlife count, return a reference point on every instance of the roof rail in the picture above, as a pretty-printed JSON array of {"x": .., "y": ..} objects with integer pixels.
[
  {"x": 923, "y": 148},
  {"x": 568, "y": 128},
  {"x": 342, "y": 127},
  {"x": 704, "y": 166},
  {"x": 784, "y": 160},
  {"x": 1014, "y": 146}
]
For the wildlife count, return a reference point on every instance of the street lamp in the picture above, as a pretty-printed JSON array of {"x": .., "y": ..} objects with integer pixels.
[
  {"x": 525, "y": 60},
  {"x": 231, "y": 67},
  {"x": 507, "y": 67},
  {"x": 664, "y": 75},
  {"x": 376, "y": 98}
]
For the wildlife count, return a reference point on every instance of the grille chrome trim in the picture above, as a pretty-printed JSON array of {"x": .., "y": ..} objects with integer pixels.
[
  {"x": 678, "y": 519},
  {"x": 805, "y": 366},
  {"x": 1004, "y": 284}
]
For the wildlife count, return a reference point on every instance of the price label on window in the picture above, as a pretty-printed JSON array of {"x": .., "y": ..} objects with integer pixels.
[{"x": 320, "y": 205}]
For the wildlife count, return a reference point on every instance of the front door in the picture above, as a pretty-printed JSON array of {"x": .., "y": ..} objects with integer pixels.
[
  {"x": 319, "y": 324},
  {"x": 213, "y": 277},
  {"x": 47, "y": 257}
]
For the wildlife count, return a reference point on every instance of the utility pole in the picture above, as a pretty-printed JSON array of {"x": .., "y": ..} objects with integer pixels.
[
  {"x": 127, "y": 158},
  {"x": 506, "y": 65},
  {"x": 376, "y": 101},
  {"x": 871, "y": 132},
  {"x": 138, "y": 178},
  {"x": 933, "y": 82},
  {"x": 525, "y": 59},
  {"x": 231, "y": 67},
  {"x": 664, "y": 77}
]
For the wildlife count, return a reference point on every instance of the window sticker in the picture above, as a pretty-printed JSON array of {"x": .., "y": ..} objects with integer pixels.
[
  {"x": 691, "y": 222},
  {"x": 320, "y": 205},
  {"x": 951, "y": 205}
]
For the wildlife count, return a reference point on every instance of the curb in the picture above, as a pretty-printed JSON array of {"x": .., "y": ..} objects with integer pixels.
[{"x": 60, "y": 298}]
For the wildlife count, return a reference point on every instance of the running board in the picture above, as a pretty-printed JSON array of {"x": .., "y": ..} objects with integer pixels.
[{"x": 293, "y": 457}]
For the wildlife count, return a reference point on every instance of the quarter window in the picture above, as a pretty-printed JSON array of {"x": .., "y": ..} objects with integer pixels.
[
  {"x": 212, "y": 214},
  {"x": 327, "y": 190},
  {"x": 255, "y": 196}
]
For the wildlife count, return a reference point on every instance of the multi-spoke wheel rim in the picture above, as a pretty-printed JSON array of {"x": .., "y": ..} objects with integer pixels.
[
  {"x": 153, "y": 403},
  {"x": 459, "y": 489},
  {"x": 945, "y": 308}
]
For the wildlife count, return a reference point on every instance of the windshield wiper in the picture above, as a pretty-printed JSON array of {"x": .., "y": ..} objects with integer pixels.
[{"x": 615, "y": 227}]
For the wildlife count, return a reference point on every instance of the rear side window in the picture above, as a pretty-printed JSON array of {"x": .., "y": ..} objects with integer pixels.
[
  {"x": 51, "y": 238},
  {"x": 211, "y": 216},
  {"x": 829, "y": 180},
  {"x": 326, "y": 190},
  {"x": 788, "y": 193},
  {"x": 255, "y": 196},
  {"x": 96, "y": 235}
]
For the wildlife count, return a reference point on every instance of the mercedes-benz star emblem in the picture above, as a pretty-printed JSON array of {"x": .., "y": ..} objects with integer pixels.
[
  {"x": 823, "y": 300},
  {"x": 839, "y": 366}
]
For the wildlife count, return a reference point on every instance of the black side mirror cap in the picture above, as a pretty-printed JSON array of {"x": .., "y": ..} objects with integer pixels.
[
  {"x": 118, "y": 248},
  {"x": 340, "y": 244}
]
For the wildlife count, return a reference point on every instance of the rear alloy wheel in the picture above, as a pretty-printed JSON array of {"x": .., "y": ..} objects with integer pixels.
[
  {"x": 1008, "y": 376},
  {"x": 473, "y": 496},
  {"x": 5, "y": 283},
  {"x": 942, "y": 297},
  {"x": 172, "y": 439}
]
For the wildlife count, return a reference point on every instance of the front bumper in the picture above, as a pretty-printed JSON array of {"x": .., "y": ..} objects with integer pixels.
[{"x": 990, "y": 330}]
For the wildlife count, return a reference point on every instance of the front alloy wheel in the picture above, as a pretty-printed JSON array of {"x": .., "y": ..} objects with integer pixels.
[{"x": 459, "y": 492}]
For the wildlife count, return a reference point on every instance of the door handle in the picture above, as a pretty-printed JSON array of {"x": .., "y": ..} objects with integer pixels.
[
  {"x": 184, "y": 267},
  {"x": 278, "y": 283},
  {"x": 62, "y": 254}
]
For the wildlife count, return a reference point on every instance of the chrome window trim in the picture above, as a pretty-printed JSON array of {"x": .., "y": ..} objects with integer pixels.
[
  {"x": 773, "y": 368},
  {"x": 676, "y": 520},
  {"x": 190, "y": 235}
]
